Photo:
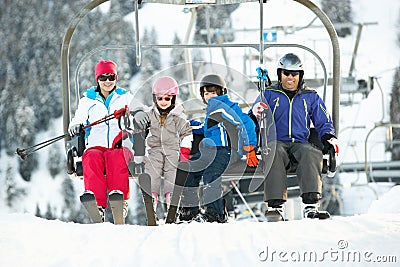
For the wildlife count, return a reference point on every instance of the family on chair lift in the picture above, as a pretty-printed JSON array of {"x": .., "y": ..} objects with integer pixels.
[{"x": 228, "y": 135}]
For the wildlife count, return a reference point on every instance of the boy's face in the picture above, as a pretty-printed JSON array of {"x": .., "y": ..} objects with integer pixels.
[{"x": 208, "y": 95}]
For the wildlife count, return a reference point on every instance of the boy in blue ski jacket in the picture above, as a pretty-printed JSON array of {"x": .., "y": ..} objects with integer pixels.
[
  {"x": 228, "y": 134},
  {"x": 294, "y": 108}
]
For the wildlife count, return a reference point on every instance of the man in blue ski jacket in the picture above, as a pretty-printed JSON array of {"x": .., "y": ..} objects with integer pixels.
[
  {"x": 294, "y": 108},
  {"x": 228, "y": 134}
]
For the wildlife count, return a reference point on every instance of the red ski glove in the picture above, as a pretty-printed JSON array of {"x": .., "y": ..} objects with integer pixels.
[{"x": 184, "y": 154}]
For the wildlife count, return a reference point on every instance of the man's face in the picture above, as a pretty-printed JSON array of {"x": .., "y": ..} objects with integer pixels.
[{"x": 290, "y": 79}]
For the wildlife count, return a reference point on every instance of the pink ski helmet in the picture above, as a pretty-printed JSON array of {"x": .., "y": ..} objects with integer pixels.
[{"x": 165, "y": 86}]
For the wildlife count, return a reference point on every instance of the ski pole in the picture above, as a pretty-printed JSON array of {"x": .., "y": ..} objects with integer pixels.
[
  {"x": 115, "y": 115},
  {"x": 25, "y": 152},
  {"x": 244, "y": 201},
  {"x": 263, "y": 141}
]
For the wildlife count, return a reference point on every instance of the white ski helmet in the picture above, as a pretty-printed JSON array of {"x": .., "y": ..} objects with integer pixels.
[
  {"x": 165, "y": 86},
  {"x": 290, "y": 61}
]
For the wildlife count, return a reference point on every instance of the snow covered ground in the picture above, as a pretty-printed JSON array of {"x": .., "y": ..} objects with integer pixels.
[{"x": 370, "y": 239}]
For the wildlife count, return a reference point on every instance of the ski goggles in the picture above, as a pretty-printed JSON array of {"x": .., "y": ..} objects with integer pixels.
[
  {"x": 291, "y": 72},
  {"x": 104, "y": 78},
  {"x": 165, "y": 98}
]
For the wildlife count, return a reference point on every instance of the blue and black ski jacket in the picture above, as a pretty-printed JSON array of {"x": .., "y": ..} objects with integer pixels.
[
  {"x": 292, "y": 118},
  {"x": 225, "y": 125}
]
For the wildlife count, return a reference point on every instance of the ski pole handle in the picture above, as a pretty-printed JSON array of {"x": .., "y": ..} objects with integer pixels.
[{"x": 121, "y": 112}]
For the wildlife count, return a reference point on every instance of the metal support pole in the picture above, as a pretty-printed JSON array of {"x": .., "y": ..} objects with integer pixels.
[
  {"x": 65, "y": 82},
  {"x": 353, "y": 58},
  {"x": 188, "y": 56},
  {"x": 336, "y": 59},
  {"x": 381, "y": 124},
  {"x": 138, "y": 49}
]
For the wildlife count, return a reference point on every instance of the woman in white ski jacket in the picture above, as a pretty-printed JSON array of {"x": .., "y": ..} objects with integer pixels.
[{"x": 105, "y": 159}]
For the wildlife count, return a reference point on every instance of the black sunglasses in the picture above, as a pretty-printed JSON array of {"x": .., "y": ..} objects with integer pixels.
[
  {"x": 288, "y": 72},
  {"x": 104, "y": 78},
  {"x": 166, "y": 98}
]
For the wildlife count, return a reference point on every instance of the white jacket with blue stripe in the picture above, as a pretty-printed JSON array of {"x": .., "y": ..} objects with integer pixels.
[{"x": 92, "y": 107}]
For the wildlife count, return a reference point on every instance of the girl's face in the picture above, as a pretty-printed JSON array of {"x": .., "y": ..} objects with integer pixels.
[
  {"x": 164, "y": 101},
  {"x": 208, "y": 95}
]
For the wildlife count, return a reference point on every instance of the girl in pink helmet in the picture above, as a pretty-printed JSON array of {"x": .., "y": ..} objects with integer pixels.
[{"x": 170, "y": 138}]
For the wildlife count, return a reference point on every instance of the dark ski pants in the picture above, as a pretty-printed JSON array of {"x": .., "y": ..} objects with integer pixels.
[
  {"x": 305, "y": 158},
  {"x": 209, "y": 164}
]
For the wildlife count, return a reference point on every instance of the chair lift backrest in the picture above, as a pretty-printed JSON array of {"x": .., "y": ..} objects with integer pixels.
[{"x": 81, "y": 144}]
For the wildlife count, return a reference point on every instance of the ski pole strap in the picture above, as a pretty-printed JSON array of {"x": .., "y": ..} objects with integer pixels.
[
  {"x": 122, "y": 115},
  {"x": 124, "y": 123}
]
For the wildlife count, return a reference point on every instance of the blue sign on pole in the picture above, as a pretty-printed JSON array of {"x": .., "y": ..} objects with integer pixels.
[{"x": 270, "y": 36}]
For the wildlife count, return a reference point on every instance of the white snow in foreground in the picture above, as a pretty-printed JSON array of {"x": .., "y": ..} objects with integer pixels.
[{"x": 361, "y": 240}]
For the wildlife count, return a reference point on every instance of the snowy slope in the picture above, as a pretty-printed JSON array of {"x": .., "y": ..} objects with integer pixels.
[{"x": 362, "y": 240}]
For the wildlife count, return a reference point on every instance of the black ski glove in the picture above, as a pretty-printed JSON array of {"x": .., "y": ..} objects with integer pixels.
[{"x": 329, "y": 141}]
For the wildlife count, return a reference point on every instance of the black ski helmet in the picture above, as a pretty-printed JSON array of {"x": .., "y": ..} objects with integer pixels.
[
  {"x": 213, "y": 80},
  {"x": 290, "y": 61}
]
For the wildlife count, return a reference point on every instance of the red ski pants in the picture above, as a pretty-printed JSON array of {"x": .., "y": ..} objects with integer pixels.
[{"x": 105, "y": 170}]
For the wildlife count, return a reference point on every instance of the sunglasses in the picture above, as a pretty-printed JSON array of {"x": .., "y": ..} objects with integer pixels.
[
  {"x": 165, "y": 98},
  {"x": 104, "y": 78},
  {"x": 292, "y": 72}
]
